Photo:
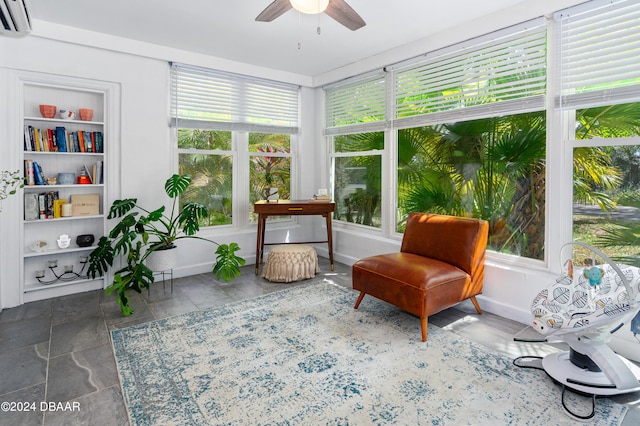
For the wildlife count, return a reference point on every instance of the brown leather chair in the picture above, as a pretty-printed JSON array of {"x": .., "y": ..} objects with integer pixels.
[{"x": 440, "y": 263}]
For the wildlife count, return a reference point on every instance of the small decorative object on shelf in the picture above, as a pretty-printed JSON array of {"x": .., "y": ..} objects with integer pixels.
[
  {"x": 66, "y": 178},
  {"x": 39, "y": 246},
  {"x": 85, "y": 240},
  {"x": 67, "y": 275},
  {"x": 66, "y": 114},
  {"x": 66, "y": 210},
  {"x": 64, "y": 241},
  {"x": 83, "y": 178},
  {"x": 48, "y": 111},
  {"x": 85, "y": 114}
]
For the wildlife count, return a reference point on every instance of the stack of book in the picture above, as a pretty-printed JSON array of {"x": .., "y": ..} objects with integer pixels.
[{"x": 321, "y": 199}]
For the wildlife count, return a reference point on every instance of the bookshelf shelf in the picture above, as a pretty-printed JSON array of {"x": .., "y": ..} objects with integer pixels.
[
  {"x": 37, "y": 286},
  {"x": 38, "y": 188},
  {"x": 59, "y": 251},
  {"x": 63, "y": 122},
  {"x": 49, "y": 148},
  {"x": 63, "y": 219},
  {"x": 64, "y": 154}
]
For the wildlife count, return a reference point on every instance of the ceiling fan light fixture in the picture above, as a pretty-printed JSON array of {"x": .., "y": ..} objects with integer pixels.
[{"x": 311, "y": 7}]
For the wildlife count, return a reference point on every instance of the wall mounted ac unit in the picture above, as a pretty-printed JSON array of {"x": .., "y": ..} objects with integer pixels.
[{"x": 15, "y": 19}]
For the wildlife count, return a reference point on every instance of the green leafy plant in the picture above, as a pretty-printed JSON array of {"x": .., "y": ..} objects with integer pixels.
[
  {"x": 141, "y": 232},
  {"x": 9, "y": 184}
]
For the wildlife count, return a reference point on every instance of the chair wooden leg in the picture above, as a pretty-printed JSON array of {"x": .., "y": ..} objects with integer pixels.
[
  {"x": 475, "y": 303},
  {"x": 362, "y": 293},
  {"x": 423, "y": 325}
]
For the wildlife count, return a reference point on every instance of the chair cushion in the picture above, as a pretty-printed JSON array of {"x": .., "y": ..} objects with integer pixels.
[{"x": 404, "y": 279}]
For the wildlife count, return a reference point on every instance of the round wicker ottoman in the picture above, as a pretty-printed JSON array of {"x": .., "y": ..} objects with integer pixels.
[{"x": 290, "y": 262}]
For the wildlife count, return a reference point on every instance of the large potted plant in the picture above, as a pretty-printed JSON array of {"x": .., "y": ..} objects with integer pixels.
[{"x": 140, "y": 233}]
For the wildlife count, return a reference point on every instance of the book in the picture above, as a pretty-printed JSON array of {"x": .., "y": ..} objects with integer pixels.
[
  {"x": 87, "y": 142},
  {"x": 29, "y": 173},
  {"x": 50, "y": 198},
  {"x": 38, "y": 174},
  {"x": 36, "y": 139},
  {"x": 73, "y": 136},
  {"x": 27, "y": 138},
  {"x": 57, "y": 207},
  {"x": 99, "y": 172},
  {"x": 31, "y": 206},
  {"x": 42, "y": 206},
  {"x": 29, "y": 135},
  {"x": 61, "y": 139},
  {"x": 81, "y": 141},
  {"x": 99, "y": 147},
  {"x": 49, "y": 143},
  {"x": 320, "y": 199},
  {"x": 89, "y": 173}
]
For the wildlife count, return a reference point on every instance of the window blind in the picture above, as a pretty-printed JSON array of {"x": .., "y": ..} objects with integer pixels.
[
  {"x": 208, "y": 99},
  {"x": 599, "y": 51},
  {"x": 356, "y": 106},
  {"x": 505, "y": 67}
]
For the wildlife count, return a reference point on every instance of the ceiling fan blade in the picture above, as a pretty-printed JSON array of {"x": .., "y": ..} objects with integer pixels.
[
  {"x": 275, "y": 9},
  {"x": 343, "y": 13}
]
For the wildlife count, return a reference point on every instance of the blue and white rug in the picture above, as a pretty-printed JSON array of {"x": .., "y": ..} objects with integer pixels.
[{"x": 304, "y": 356}]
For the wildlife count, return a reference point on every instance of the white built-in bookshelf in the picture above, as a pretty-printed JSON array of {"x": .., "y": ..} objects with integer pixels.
[{"x": 49, "y": 267}]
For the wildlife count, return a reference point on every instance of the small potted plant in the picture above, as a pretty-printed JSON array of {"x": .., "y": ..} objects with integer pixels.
[{"x": 140, "y": 233}]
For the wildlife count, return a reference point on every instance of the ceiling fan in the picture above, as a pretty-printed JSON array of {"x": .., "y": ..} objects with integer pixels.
[{"x": 337, "y": 9}]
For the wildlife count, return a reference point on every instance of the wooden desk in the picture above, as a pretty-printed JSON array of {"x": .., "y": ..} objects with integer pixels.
[{"x": 291, "y": 208}]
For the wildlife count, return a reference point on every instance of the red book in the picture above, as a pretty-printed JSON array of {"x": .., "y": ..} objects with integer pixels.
[{"x": 50, "y": 140}]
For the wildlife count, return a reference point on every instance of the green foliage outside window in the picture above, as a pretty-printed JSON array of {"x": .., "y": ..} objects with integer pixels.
[
  {"x": 211, "y": 173},
  {"x": 492, "y": 168}
]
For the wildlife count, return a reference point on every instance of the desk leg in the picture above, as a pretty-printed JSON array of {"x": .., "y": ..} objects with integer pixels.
[
  {"x": 330, "y": 239},
  {"x": 259, "y": 242}
]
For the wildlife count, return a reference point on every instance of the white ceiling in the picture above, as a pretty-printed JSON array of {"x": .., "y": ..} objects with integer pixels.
[{"x": 227, "y": 29}]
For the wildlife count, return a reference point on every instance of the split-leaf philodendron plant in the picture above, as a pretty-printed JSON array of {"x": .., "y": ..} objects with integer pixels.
[{"x": 140, "y": 232}]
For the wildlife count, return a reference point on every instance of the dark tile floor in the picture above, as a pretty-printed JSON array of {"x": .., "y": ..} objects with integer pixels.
[{"x": 59, "y": 350}]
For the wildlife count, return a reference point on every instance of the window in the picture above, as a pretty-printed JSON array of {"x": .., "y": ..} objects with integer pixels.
[
  {"x": 600, "y": 105},
  {"x": 357, "y": 178},
  {"x": 206, "y": 155},
  {"x": 355, "y": 117},
  {"x": 491, "y": 168},
  {"x": 467, "y": 129},
  {"x": 229, "y": 125},
  {"x": 606, "y": 180}
]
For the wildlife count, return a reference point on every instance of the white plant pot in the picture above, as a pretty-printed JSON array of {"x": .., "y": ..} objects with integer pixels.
[{"x": 162, "y": 260}]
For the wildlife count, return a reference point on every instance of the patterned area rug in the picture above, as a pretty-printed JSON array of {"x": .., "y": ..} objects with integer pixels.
[{"x": 304, "y": 356}]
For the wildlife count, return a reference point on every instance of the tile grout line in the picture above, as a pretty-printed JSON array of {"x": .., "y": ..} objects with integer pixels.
[{"x": 46, "y": 376}]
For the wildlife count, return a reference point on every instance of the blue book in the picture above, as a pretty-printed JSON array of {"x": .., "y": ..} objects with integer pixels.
[
  {"x": 61, "y": 137},
  {"x": 38, "y": 174}
]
